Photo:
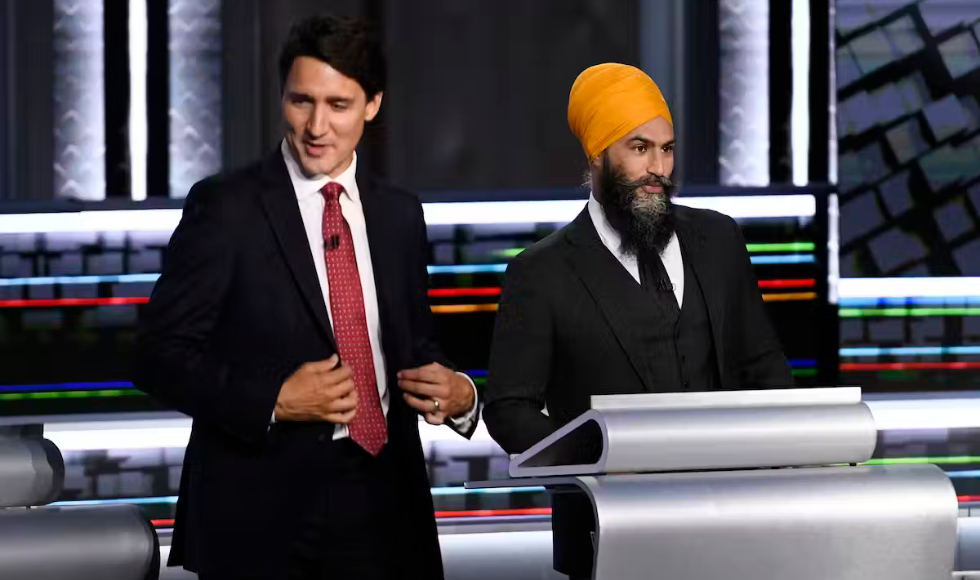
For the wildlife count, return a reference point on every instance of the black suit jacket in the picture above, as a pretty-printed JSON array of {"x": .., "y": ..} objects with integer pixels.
[
  {"x": 237, "y": 310},
  {"x": 563, "y": 332}
]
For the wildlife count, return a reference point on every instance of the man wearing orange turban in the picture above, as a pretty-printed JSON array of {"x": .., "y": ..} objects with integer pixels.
[{"x": 636, "y": 295}]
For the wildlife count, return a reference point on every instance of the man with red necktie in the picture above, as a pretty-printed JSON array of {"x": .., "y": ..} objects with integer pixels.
[{"x": 291, "y": 322}]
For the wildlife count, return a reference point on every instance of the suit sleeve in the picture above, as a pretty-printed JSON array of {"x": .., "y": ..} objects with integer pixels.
[
  {"x": 758, "y": 354},
  {"x": 425, "y": 348},
  {"x": 520, "y": 362},
  {"x": 176, "y": 361}
]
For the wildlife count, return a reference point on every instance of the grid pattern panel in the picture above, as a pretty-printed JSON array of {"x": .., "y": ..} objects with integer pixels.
[
  {"x": 195, "y": 92},
  {"x": 79, "y": 102}
]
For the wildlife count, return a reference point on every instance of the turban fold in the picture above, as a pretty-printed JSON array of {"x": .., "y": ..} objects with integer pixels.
[{"x": 608, "y": 101}]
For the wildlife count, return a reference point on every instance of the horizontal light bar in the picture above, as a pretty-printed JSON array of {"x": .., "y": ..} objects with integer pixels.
[
  {"x": 752, "y": 248},
  {"x": 893, "y": 312},
  {"x": 970, "y": 474},
  {"x": 138, "y": 220},
  {"x": 463, "y": 308},
  {"x": 172, "y": 499},
  {"x": 508, "y": 253},
  {"x": 453, "y": 491},
  {"x": 167, "y": 433},
  {"x": 782, "y": 247},
  {"x": 469, "y": 269},
  {"x": 502, "y": 212},
  {"x": 136, "y": 300},
  {"x": 798, "y": 283},
  {"x": 802, "y": 362},
  {"x": 88, "y": 388},
  {"x": 443, "y": 213},
  {"x": 152, "y": 278},
  {"x": 908, "y": 287},
  {"x": 564, "y": 211},
  {"x": 787, "y": 259},
  {"x": 164, "y": 499},
  {"x": 910, "y": 366},
  {"x": 76, "y": 280},
  {"x": 756, "y": 206},
  {"x": 910, "y": 301},
  {"x": 440, "y": 514},
  {"x": 45, "y": 395},
  {"x": 933, "y": 460},
  {"x": 910, "y": 351},
  {"x": 61, "y": 387},
  {"x": 920, "y": 413},
  {"x": 65, "y": 302},
  {"x": 457, "y": 292},
  {"x": 107, "y": 435},
  {"x": 495, "y": 513},
  {"x": 789, "y": 297}
]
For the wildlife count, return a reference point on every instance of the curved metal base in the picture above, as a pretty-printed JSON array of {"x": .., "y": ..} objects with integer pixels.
[
  {"x": 845, "y": 523},
  {"x": 841, "y": 523},
  {"x": 95, "y": 543}
]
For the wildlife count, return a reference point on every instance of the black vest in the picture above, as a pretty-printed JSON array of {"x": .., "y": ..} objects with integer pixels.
[{"x": 677, "y": 343}]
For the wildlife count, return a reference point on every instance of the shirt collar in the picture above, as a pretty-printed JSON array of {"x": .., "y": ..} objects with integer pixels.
[
  {"x": 607, "y": 234},
  {"x": 305, "y": 186}
]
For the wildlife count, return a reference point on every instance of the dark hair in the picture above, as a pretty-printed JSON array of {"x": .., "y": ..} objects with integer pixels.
[{"x": 350, "y": 46}]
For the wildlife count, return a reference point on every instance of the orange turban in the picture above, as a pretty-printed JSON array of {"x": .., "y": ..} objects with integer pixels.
[{"x": 610, "y": 100}]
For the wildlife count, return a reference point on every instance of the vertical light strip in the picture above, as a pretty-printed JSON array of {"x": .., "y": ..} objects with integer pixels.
[
  {"x": 138, "y": 147},
  {"x": 800, "y": 116},
  {"x": 832, "y": 98},
  {"x": 195, "y": 92},
  {"x": 743, "y": 147},
  {"x": 79, "y": 100},
  {"x": 6, "y": 118},
  {"x": 833, "y": 248}
]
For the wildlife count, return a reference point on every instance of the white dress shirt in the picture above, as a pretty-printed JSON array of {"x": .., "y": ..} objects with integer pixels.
[
  {"x": 671, "y": 256},
  {"x": 311, "y": 204}
]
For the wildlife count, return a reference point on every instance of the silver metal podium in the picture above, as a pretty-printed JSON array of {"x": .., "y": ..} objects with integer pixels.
[{"x": 746, "y": 485}]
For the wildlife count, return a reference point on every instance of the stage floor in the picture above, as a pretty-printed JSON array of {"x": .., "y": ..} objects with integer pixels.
[{"x": 519, "y": 549}]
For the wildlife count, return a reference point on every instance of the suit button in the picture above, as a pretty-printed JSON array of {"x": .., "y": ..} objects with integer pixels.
[
  {"x": 321, "y": 438},
  {"x": 686, "y": 385}
]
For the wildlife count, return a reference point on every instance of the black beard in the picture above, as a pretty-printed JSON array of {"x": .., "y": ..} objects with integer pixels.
[{"x": 644, "y": 223}]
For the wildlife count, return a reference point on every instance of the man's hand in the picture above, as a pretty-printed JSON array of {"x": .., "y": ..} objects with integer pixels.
[
  {"x": 318, "y": 391},
  {"x": 437, "y": 392}
]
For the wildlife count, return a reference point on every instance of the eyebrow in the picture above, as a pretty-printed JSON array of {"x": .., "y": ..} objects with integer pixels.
[
  {"x": 299, "y": 95},
  {"x": 649, "y": 142}
]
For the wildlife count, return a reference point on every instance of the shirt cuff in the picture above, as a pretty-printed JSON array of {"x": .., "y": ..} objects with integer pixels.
[{"x": 464, "y": 422}]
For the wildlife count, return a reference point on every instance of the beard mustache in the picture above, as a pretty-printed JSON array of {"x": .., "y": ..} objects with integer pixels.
[{"x": 645, "y": 223}]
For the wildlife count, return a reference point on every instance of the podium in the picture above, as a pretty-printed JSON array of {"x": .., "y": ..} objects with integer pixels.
[
  {"x": 54, "y": 543},
  {"x": 745, "y": 485}
]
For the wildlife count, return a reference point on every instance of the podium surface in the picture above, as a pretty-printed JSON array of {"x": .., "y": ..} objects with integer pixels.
[{"x": 746, "y": 486}]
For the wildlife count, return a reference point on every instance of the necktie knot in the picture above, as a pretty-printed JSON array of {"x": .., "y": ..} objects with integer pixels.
[{"x": 332, "y": 191}]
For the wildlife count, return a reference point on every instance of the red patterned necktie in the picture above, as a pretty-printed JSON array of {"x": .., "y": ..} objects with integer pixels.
[{"x": 368, "y": 429}]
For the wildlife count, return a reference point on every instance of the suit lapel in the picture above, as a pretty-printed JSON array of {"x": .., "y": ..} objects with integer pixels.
[
  {"x": 282, "y": 211},
  {"x": 712, "y": 285},
  {"x": 382, "y": 256},
  {"x": 610, "y": 286}
]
